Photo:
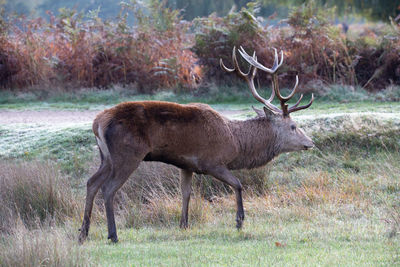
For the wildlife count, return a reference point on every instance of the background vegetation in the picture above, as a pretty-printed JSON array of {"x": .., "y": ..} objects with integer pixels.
[
  {"x": 348, "y": 9},
  {"x": 162, "y": 51}
]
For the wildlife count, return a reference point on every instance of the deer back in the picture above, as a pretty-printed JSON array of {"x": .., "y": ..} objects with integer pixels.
[{"x": 190, "y": 136}]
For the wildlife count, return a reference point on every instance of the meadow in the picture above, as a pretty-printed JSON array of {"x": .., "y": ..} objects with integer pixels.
[{"x": 337, "y": 204}]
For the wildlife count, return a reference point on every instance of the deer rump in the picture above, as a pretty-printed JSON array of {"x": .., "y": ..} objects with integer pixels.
[{"x": 191, "y": 137}]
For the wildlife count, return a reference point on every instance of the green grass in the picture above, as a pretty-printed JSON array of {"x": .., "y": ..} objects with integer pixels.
[
  {"x": 91, "y": 98},
  {"x": 335, "y": 98},
  {"x": 303, "y": 244},
  {"x": 70, "y": 145}
]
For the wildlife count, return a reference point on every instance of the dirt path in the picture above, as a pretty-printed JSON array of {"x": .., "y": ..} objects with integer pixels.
[
  {"x": 61, "y": 116},
  {"x": 47, "y": 116},
  {"x": 55, "y": 117}
]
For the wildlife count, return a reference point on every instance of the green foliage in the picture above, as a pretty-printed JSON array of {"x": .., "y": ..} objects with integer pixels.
[
  {"x": 310, "y": 17},
  {"x": 343, "y": 94},
  {"x": 216, "y": 36},
  {"x": 156, "y": 15},
  {"x": 345, "y": 8}
]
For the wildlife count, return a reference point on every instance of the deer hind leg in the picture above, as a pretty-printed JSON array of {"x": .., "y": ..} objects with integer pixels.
[
  {"x": 224, "y": 175},
  {"x": 121, "y": 173},
  {"x": 93, "y": 185},
  {"x": 186, "y": 187}
]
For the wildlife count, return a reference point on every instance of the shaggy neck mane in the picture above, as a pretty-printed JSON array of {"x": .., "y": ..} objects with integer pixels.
[{"x": 257, "y": 143}]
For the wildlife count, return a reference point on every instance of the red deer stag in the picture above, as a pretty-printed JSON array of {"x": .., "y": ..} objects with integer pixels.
[{"x": 193, "y": 137}]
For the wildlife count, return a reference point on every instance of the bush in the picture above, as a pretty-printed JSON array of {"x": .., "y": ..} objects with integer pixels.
[
  {"x": 314, "y": 48},
  {"x": 216, "y": 36},
  {"x": 79, "y": 51},
  {"x": 376, "y": 55},
  {"x": 164, "y": 51}
]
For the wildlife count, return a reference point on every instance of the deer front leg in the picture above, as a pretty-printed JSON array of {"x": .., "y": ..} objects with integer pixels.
[
  {"x": 186, "y": 187},
  {"x": 224, "y": 175}
]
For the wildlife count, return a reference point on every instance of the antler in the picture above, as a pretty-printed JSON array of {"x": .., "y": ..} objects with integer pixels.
[
  {"x": 277, "y": 63},
  {"x": 249, "y": 77}
]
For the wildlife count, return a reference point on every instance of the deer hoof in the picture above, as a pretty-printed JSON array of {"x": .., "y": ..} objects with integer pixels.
[
  {"x": 239, "y": 224},
  {"x": 183, "y": 225},
  {"x": 239, "y": 220},
  {"x": 82, "y": 238},
  {"x": 113, "y": 237}
]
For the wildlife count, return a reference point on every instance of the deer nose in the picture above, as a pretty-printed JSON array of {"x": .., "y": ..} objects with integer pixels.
[{"x": 308, "y": 146}]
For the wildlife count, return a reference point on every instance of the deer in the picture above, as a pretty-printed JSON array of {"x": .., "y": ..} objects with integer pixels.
[{"x": 193, "y": 137}]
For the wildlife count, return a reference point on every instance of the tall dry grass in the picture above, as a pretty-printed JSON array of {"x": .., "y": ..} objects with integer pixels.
[
  {"x": 34, "y": 193},
  {"x": 37, "y": 206},
  {"x": 42, "y": 247},
  {"x": 40, "y": 212}
]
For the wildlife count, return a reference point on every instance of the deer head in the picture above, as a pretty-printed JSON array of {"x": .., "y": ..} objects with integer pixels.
[{"x": 290, "y": 137}]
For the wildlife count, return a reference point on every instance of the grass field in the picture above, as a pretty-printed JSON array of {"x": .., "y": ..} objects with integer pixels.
[{"x": 335, "y": 205}]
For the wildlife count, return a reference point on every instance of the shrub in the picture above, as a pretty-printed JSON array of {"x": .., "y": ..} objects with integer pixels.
[
  {"x": 376, "y": 53},
  {"x": 216, "y": 36},
  {"x": 164, "y": 51},
  {"x": 74, "y": 50},
  {"x": 315, "y": 48}
]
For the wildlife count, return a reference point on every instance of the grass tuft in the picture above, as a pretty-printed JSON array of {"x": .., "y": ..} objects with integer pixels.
[
  {"x": 34, "y": 193},
  {"x": 41, "y": 247}
]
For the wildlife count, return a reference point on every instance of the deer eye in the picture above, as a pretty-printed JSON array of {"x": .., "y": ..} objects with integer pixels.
[{"x": 293, "y": 127}]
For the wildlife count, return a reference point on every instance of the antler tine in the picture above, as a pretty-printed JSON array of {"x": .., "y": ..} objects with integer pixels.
[
  {"x": 236, "y": 66},
  {"x": 295, "y": 108},
  {"x": 277, "y": 63},
  {"x": 224, "y": 67},
  {"x": 285, "y": 99},
  {"x": 254, "y": 72},
  {"x": 249, "y": 77},
  {"x": 236, "y": 63},
  {"x": 298, "y": 102},
  {"x": 253, "y": 69},
  {"x": 221, "y": 63},
  {"x": 272, "y": 94},
  {"x": 275, "y": 85},
  {"x": 256, "y": 64}
]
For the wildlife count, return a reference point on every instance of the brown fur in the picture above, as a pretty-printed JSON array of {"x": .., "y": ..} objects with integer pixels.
[
  {"x": 173, "y": 132},
  {"x": 193, "y": 137}
]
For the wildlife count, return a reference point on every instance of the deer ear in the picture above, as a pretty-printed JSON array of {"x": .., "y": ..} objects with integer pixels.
[
  {"x": 259, "y": 112},
  {"x": 268, "y": 113}
]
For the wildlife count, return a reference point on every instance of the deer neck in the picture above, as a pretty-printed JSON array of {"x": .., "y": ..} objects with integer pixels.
[{"x": 257, "y": 143}]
